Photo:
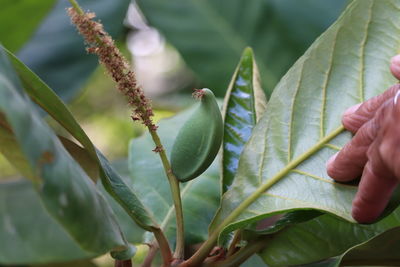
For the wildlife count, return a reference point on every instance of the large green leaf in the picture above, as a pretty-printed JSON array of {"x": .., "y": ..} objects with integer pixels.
[
  {"x": 244, "y": 103},
  {"x": 283, "y": 165},
  {"x": 56, "y": 52},
  {"x": 19, "y": 20},
  {"x": 68, "y": 194},
  {"x": 52, "y": 104},
  {"x": 200, "y": 196},
  {"x": 381, "y": 250},
  {"x": 28, "y": 233},
  {"x": 332, "y": 238},
  {"x": 211, "y": 35}
]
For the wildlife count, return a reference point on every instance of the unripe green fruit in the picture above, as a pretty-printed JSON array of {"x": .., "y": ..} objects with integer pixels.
[{"x": 199, "y": 139}]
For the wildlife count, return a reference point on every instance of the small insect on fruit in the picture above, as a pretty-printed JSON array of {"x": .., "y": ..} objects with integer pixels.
[{"x": 199, "y": 139}]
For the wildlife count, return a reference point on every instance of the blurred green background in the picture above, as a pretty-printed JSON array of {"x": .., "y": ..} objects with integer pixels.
[{"x": 174, "y": 46}]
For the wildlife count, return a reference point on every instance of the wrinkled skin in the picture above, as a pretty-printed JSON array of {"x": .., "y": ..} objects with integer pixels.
[{"x": 373, "y": 153}]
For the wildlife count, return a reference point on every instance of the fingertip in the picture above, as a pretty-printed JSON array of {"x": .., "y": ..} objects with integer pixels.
[
  {"x": 361, "y": 215},
  {"x": 330, "y": 169},
  {"x": 350, "y": 111},
  {"x": 395, "y": 66},
  {"x": 349, "y": 121},
  {"x": 364, "y": 211}
]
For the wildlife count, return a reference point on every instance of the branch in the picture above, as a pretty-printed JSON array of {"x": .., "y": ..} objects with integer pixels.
[
  {"x": 153, "y": 248},
  {"x": 236, "y": 239},
  {"x": 243, "y": 254}
]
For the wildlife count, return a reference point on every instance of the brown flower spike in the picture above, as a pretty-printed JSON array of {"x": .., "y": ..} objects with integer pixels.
[{"x": 100, "y": 43}]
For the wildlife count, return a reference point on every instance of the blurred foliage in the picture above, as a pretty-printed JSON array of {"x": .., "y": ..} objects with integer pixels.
[
  {"x": 56, "y": 52},
  {"x": 105, "y": 115},
  {"x": 6, "y": 169},
  {"x": 22, "y": 17},
  {"x": 211, "y": 34}
]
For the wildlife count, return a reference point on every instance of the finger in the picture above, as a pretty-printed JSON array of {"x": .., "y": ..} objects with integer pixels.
[
  {"x": 395, "y": 66},
  {"x": 356, "y": 116},
  {"x": 375, "y": 189},
  {"x": 389, "y": 148},
  {"x": 349, "y": 163}
]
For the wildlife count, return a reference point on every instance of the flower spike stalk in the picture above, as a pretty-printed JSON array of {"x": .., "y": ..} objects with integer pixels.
[{"x": 100, "y": 43}]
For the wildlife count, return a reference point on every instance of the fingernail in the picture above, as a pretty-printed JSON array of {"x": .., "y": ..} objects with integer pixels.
[
  {"x": 395, "y": 66},
  {"x": 351, "y": 110},
  {"x": 331, "y": 160},
  {"x": 395, "y": 61}
]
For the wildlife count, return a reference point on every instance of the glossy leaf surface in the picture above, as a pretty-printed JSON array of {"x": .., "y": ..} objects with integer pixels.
[
  {"x": 56, "y": 52},
  {"x": 68, "y": 194},
  {"x": 211, "y": 35},
  {"x": 199, "y": 196},
  {"x": 283, "y": 165},
  {"x": 327, "y": 237},
  {"x": 243, "y": 106},
  {"x": 19, "y": 20}
]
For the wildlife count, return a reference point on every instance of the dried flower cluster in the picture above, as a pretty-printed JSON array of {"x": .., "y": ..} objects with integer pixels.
[{"x": 100, "y": 43}]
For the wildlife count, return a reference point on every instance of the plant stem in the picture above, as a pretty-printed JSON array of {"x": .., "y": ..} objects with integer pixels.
[
  {"x": 76, "y": 6},
  {"x": 176, "y": 196},
  {"x": 235, "y": 240},
  {"x": 243, "y": 254},
  {"x": 164, "y": 246},
  {"x": 125, "y": 263},
  {"x": 205, "y": 249},
  {"x": 151, "y": 254},
  {"x": 101, "y": 43}
]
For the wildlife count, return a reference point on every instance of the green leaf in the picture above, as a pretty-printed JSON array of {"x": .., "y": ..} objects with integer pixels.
[
  {"x": 381, "y": 250},
  {"x": 131, "y": 230},
  {"x": 211, "y": 35},
  {"x": 200, "y": 196},
  {"x": 288, "y": 246},
  {"x": 56, "y": 52},
  {"x": 42, "y": 95},
  {"x": 68, "y": 194},
  {"x": 11, "y": 150},
  {"x": 19, "y": 20},
  {"x": 28, "y": 233},
  {"x": 283, "y": 165},
  {"x": 243, "y": 105}
]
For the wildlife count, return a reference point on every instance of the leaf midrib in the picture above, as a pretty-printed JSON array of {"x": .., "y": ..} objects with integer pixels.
[{"x": 277, "y": 177}]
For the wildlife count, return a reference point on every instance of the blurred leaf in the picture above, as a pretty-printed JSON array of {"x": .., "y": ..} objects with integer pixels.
[
  {"x": 79, "y": 263},
  {"x": 42, "y": 95},
  {"x": 131, "y": 230},
  {"x": 244, "y": 103},
  {"x": 381, "y": 250},
  {"x": 288, "y": 246},
  {"x": 69, "y": 196},
  {"x": 283, "y": 166},
  {"x": 56, "y": 52},
  {"x": 28, "y": 233},
  {"x": 10, "y": 148},
  {"x": 200, "y": 196},
  {"x": 211, "y": 35},
  {"x": 19, "y": 20},
  {"x": 254, "y": 261},
  {"x": 12, "y": 152}
]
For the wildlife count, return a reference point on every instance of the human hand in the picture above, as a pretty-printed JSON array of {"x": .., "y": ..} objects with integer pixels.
[{"x": 374, "y": 151}]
